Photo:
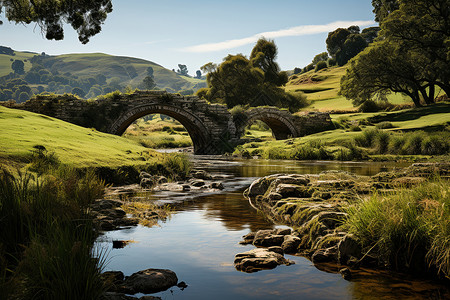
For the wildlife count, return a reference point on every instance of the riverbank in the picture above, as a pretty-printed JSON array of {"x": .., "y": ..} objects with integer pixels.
[
  {"x": 408, "y": 135},
  {"x": 393, "y": 220}
]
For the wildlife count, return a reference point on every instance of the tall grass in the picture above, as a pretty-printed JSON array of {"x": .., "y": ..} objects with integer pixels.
[
  {"x": 177, "y": 165},
  {"x": 408, "y": 231},
  {"x": 46, "y": 236},
  {"x": 400, "y": 143}
]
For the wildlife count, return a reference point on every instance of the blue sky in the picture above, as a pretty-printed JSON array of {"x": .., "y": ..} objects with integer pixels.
[{"x": 198, "y": 31}]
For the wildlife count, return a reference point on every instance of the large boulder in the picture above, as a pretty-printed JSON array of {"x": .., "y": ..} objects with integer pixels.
[
  {"x": 260, "y": 186},
  {"x": 151, "y": 281},
  {"x": 259, "y": 259}
]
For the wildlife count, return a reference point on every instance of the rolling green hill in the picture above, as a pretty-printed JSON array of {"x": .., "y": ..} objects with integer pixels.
[
  {"x": 322, "y": 88},
  {"x": 75, "y": 145},
  {"x": 126, "y": 71}
]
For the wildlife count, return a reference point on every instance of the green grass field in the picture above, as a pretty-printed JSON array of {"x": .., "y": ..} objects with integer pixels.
[
  {"x": 158, "y": 133},
  {"x": 72, "y": 144},
  {"x": 5, "y": 62},
  {"x": 322, "y": 88}
]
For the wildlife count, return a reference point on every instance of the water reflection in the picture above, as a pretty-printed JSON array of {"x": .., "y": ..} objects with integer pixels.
[{"x": 200, "y": 240}]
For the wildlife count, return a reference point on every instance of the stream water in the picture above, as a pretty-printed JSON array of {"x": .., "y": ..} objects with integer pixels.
[{"x": 201, "y": 238}]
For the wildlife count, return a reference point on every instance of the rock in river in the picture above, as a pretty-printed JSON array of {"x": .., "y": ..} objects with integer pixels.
[
  {"x": 259, "y": 259},
  {"x": 151, "y": 281}
]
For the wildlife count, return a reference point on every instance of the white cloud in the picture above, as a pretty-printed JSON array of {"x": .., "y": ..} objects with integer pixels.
[{"x": 293, "y": 31}]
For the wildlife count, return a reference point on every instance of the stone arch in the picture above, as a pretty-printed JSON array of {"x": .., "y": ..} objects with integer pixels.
[
  {"x": 279, "y": 122},
  {"x": 194, "y": 126}
]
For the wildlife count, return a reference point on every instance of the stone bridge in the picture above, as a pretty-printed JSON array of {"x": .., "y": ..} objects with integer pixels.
[{"x": 212, "y": 128}]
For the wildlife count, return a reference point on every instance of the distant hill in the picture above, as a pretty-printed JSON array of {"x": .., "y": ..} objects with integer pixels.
[
  {"x": 123, "y": 71},
  {"x": 130, "y": 71}
]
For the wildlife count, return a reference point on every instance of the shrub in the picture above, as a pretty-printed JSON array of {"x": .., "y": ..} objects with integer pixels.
[
  {"x": 343, "y": 154},
  {"x": 384, "y": 125},
  {"x": 396, "y": 144},
  {"x": 177, "y": 165},
  {"x": 273, "y": 152},
  {"x": 369, "y": 106},
  {"x": 367, "y": 138},
  {"x": 331, "y": 62},
  {"x": 42, "y": 160},
  {"x": 321, "y": 65},
  {"x": 355, "y": 128}
]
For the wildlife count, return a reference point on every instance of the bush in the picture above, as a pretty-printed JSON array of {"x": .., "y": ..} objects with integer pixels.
[
  {"x": 369, "y": 106},
  {"x": 367, "y": 138},
  {"x": 321, "y": 65},
  {"x": 355, "y": 128},
  {"x": 331, "y": 62},
  {"x": 384, "y": 125},
  {"x": 42, "y": 160}
]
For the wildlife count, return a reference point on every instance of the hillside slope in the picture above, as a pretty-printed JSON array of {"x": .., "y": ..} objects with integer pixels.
[
  {"x": 322, "y": 88},
  {"x": 22, "y": 130},
  {"x": 127, "y": 71}
]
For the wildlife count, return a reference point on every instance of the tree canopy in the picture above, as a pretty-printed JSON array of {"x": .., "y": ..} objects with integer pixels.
[
  {"x": 344, "y": 43},
  {"x": 239, "y": 80},
  {"x": 18, "y": 67},
  {"x": 86, "y": 17},
  {"x": 382, "y": 8},
  {"x": 411, "y": 56}
]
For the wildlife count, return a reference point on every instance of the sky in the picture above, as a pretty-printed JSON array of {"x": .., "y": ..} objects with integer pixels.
[{"x": 196, "y": 32}]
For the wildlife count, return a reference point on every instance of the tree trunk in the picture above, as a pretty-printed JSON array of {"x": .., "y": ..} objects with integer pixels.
[
  {"x": 415, "y": 98},
  {"x": 428, "y": 97}
]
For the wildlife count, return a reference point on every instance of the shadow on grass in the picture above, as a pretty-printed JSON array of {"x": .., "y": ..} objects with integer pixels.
[{"x": 412, "y": 114}]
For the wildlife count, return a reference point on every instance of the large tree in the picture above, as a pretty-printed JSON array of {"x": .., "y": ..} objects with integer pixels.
[
  {"x": 86, "y": 17},
  {"x": 263, "y": 56},
  {"x": 18, "y": 67},
  {"x": 382, "y": 8},
  {"x": 411, "y": 57},
  {"x": 345, "y": 43},
  {"x": 249, "y": 82}
]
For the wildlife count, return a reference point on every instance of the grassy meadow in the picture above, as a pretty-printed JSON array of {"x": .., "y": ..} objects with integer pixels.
[
  {"x": 322, "y": 90},
  {"x": 156, "y": 132},
  {"x": 73, "y": 145},
  {"x": 5, "y": 61}
]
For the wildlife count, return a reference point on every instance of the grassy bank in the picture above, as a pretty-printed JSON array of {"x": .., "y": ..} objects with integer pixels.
[
  {"x": 409, "y": 134},
  {"x": 31, "y": 140},
  {"x": 408, "y": 231},
  {"x": 50, "y": 172},
  {"x": 47, "y": 236}
]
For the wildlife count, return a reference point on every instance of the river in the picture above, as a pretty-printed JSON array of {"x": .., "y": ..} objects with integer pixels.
[{"x": 199, "y": 242}]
